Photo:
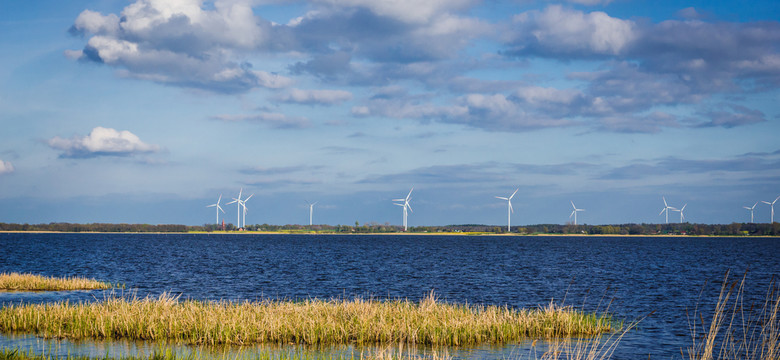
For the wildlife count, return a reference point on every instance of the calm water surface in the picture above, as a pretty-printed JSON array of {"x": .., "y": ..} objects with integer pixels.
[{"x": 634, "y": 275}]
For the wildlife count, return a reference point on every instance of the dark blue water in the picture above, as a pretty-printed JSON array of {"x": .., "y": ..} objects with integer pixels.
[{"x": 633, "y": 276}]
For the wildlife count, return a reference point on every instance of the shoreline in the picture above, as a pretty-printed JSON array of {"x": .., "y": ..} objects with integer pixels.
[{"x": 382, "y": 233}]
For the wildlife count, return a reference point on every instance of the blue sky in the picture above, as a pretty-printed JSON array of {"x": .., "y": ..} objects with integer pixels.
[{"x": 146, "y": 111}]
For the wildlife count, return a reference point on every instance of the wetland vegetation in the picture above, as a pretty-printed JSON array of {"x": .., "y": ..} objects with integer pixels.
[
  {"x": 355, "y": 321},
  {"x": 31, "y": 282}
]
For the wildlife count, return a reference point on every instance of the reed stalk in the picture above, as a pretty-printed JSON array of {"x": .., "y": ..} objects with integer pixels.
[
  {"x": 738, "y": 329},
  {"x": 31, "y": 282},
  {"x": 317, "y": 322}
]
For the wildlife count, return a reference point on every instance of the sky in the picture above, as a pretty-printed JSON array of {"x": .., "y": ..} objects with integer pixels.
[{"x": 147, "y": 111}]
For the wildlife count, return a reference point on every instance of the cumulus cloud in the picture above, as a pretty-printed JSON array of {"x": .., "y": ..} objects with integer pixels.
[
  {"x": 180, "y": 43},
  {"x": 273, "y": 120},
  {"x": 102, "y": 142},
  {"x": 315, "y": 97},
  {"x": 557, "y": 30},
  {"x": 6, "y": 167}
]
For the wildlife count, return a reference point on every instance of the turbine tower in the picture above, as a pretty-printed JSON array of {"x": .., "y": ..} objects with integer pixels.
[
  {"x": 509, "y": 209},
  {"x": 219, "y": 208},
  {"x": 751, "y": 211},
  {"x": 772, "y": 205},
  {"x": 405, "y": 205},
  {"x": 666, "y": 209},
  {"x": 311, "y": 209},
  {"x": 574, "y": 213},
  {"x": 238, "y": 208},
  {"x": 682, "y": 217}
]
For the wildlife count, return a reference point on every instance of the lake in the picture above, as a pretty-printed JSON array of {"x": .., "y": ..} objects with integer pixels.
[{"x": 634, "y": 276}]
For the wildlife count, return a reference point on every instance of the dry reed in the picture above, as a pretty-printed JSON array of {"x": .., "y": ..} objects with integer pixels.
[
  {"x": 318, "y": 322},
  {"x": 737, "y": 330},
  {"x": 31, "y": 282}
]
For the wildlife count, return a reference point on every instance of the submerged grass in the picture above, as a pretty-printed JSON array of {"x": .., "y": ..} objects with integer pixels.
[
  {"x": 316, "y": 322},
  {"x": 31, "y": 282}
]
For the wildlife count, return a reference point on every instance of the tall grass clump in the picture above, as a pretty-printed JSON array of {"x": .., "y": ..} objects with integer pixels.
[
  {"x": 31, "y": 282},
  {"x": 316, "y": 322},
  {"x": 738, "y": 329}
]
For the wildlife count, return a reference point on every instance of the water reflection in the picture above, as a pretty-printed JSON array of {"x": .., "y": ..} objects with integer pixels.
[{"x": 526, "y": 349}]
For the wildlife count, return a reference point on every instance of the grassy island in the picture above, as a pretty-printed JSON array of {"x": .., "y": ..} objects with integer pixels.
[
  {"x": 356, "y": 321},
  {"x": 32, "y": 282}
]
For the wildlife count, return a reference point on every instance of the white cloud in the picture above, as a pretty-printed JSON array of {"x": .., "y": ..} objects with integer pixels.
[
  {"x": 324, "y": 97},
  {"x": 181, "y": 43},
  {"x": 559, "y": 30},
  {"x": 102, "y": 142},
  {"x": 412, "y": 11},
  {"x": 6, "y": 167}
]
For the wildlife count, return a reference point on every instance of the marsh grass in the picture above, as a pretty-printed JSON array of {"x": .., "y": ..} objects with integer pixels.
[
  {"x": 316, "y": 322},
  {"x": 31, "y": 282},
  {"x": 739, "y": 328}
]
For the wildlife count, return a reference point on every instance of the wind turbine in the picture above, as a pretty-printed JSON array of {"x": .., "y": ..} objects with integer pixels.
[
  {"x": 311, "y": 209},
  {"x": 574, "y": 213},
  {"x": 405, "y": 205},
  {"x": 219, "y": 208},
  {"x": 681, "y": 212},
  {"x": 751, "y": 211},
  {"x": 509, "y": 210},
  {"x": 238, "y": 208},
  {"x": 243, "y": 204},
  {"x": 772, "y": 204},
  {"x": 666, "y": 209}
]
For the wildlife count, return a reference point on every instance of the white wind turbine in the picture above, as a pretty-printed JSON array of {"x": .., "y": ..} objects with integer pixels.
[
  {"x": 406, "y": 206},
  {"x": 219, "y": 208},
  {"x": 509, "y": 209},
  {"x": 772, "y": 204},
  {"x": 243, "y": 204},
  {"x": 666, "y": 209},
  {"x": 574, "y": 213},
  {"x": 311, "y": 209},
  {"x": 682, "y": 217},
  {"x": 751, "y": 211},
  {"x": 238, "y": 208}
]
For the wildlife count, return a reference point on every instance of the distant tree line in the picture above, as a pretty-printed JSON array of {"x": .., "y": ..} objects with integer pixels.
[{"x": 734, "y": 229}]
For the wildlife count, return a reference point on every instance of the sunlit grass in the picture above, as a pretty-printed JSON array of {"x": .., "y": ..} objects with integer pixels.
[
  {"x": 32, "y": 282},
  {"x": 356, "y": 321}
]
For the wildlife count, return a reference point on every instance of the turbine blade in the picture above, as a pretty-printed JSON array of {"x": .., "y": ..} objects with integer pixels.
[
  {"x": 409, "y": 206},
  {"x": 220, "y": 209},
  {"x": 502, "y": 198},
  {"x": 572, "y": 205},
  {"x": 683, "y": 208},
  {"x": 572, "y": 214},
  {"x": 399, "y": 199},
  {"x": 398, "y": 204},
  {"x": 662, "y": 211},
  {"x": 410, "y": 194},
  {"x": 212, "y": 205},
  {"x": 510, "y": 207},
  {"x": 220, "y": 198},
  {"x": 665, "y": 204},
  {"x": 250, "y": 196},
  {"x": 767, "y": 202},
  {"x": 747, "y": 208},
  {"x": 513, "y": 194}
]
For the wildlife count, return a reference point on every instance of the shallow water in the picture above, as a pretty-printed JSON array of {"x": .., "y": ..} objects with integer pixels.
[{"x": 631, "y": 276}]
